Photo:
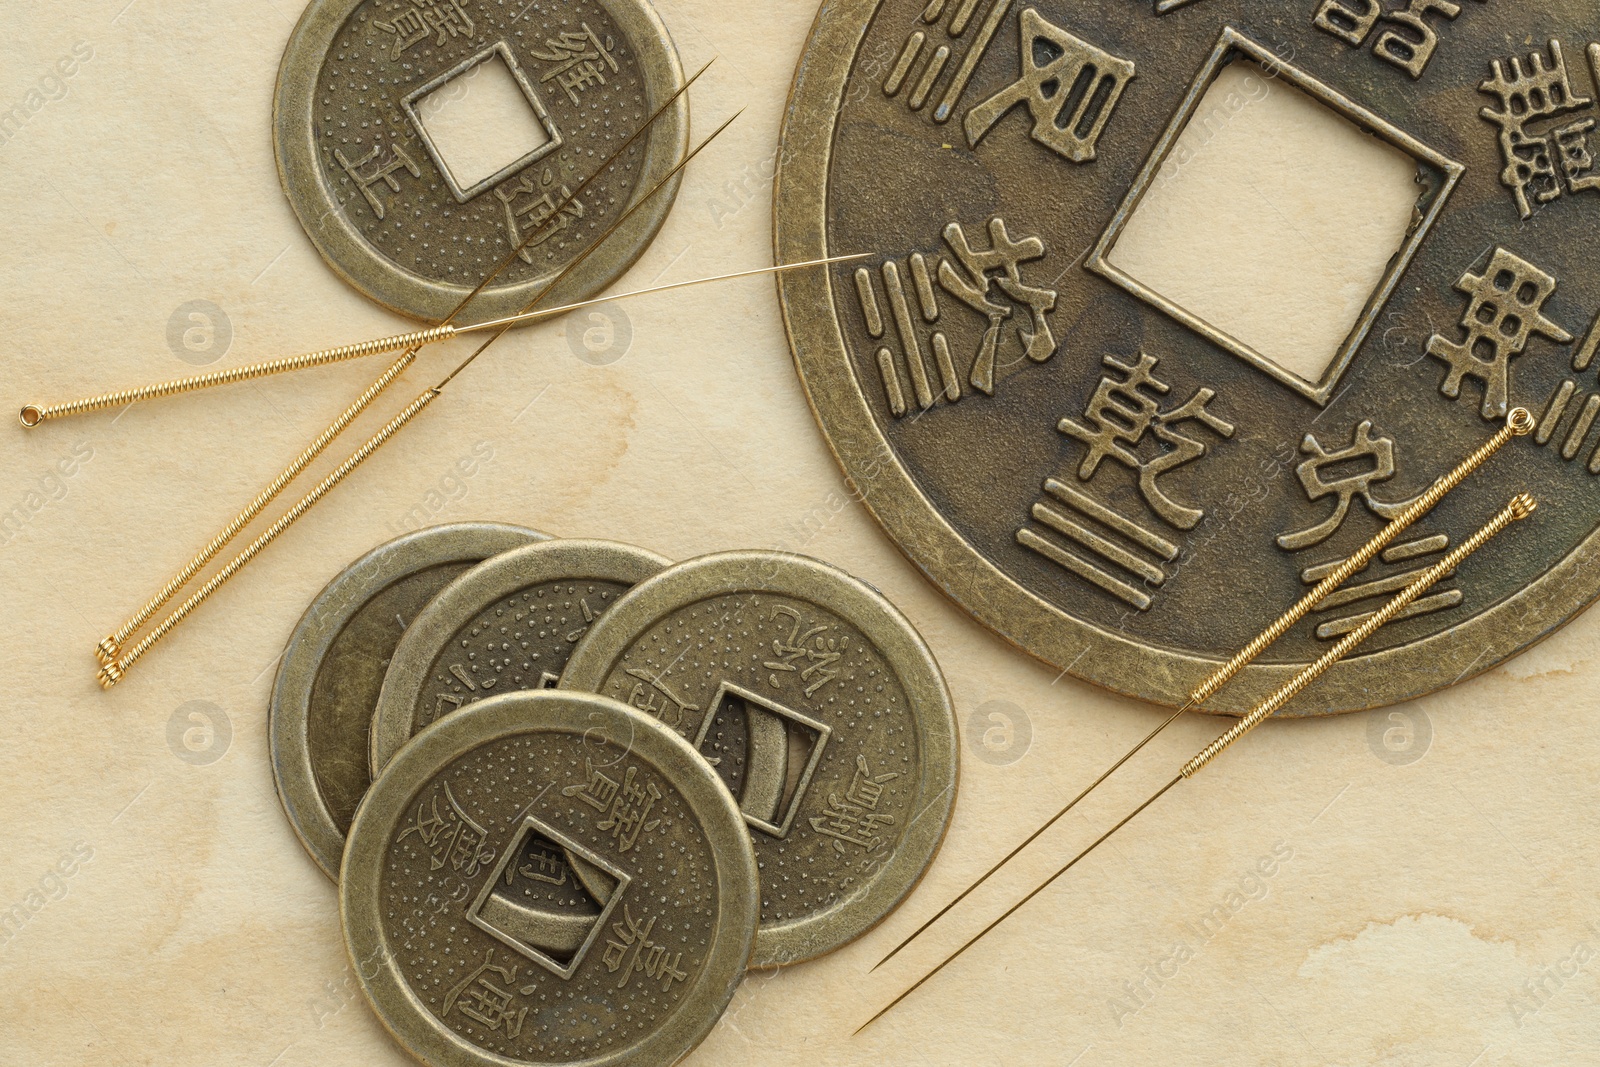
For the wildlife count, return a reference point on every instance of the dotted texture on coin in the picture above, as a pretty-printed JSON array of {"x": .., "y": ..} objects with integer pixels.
[
  {"x": 521, "y": 643},
  {"x": 820, "y": 709},
  {"x": 556, "y": 880},
  {"x": 424, "y": 229},
  {"x": 333, "y": 668},
  {"x": 1084, "y": 456},
  {"x": 379, "y": 179},
  {"x": 350, "y": 677},
  {"x": 521, "y": 640}
]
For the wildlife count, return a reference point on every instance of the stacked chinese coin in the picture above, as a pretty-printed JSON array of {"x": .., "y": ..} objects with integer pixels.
[{"x": 598, "y": 785}]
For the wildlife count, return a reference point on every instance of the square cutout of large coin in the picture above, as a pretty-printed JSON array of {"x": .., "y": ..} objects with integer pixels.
[{"x": 1275, "y": 217}]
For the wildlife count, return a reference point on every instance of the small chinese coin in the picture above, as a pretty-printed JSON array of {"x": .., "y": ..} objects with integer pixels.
[
  {"x": 548, "y": 878},
  {"x": 821, "y": 709},
  {"x": 1082, "y": 447},
  {"x": 423, "y": 142},
  {"x": 508, "y": 624},
  {"x": 331, "y": 671}
]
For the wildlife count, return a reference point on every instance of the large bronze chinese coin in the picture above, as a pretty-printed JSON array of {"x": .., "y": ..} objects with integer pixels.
[
  {"x": 822, "y": 710},
  {"x": 1089, "y": 446},
  {"x": 422, "y": 142},
  {"x": 328, "y": 680},
  {"x": 508, "y": 624},
  {"x": 548, "y": 878}
]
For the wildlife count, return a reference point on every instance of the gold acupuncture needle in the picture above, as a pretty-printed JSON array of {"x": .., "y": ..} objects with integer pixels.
[
  {"x": 1521, "y": 507},
  {"x": 506, "y": 323},
  {"x": 33, "y": 415},
  {"x": 1519, "y": 424},
  {"x": 550, "y": 313},
  {"x": 111, "y": 673},
  {"x": 110, "y": 647}
]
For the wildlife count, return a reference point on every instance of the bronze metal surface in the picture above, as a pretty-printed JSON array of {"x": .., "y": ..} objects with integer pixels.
[
  {"x": 380, "y": 203},
  {"x": 548, "y": 878},
  {"x": 509, "y": 623},
  {"x": 1114, "y": 483},
  {"x": 328, "y": 680},
  {"x": 821, "y": 709}
]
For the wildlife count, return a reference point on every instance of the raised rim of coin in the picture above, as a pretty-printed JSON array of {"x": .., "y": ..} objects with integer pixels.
[
  {"x": 351, "y": 257},
  {"x": 914, "y": 523},
  {"x": 545, "y": 711},
  {"x": 475, "y": 592},
  {"x": 902, "y": 646},
  {"x": 288, "y": 714}
]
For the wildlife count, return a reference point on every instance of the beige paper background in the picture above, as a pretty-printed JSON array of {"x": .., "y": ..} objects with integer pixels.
[
  {"x": 1240, "y": 209},
  {"x": 1417, "y": 908}
]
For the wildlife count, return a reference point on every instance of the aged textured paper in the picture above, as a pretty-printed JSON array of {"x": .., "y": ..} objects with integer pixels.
[
  {"x": 1241, "y": 209},
  {"x": 1414, "y": 886}
]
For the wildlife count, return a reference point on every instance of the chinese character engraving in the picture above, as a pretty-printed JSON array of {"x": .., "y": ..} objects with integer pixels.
[
  {"x": 630, "y": 811},
  {"x": 1347, "y": 474},
  {"x": 449, "y": 837},
  {"x": 1053, "y": 62},
  {"x": 481, "y": 1000},
  {"x": 651, "y": 694},
  {"x": 422, "y": 19},
  {"x": 626, "y": 805},
  {"x": 1545, "y": 156},
  {"x": 597, "y": 792},
  {"x": 631, "y": 951},
  {"x": 1000, "y": 265},
  {"x": 579, "y": 59},
  {"x": 922, "y": 81},
  {"x": 812, "y": 653},
  {"x": 1349, "y": 20},
  {"x": 1070, "y": 520},
  {"x": 1408, "y": 44},
  {"x": 854, "y": 819},
  {"x": 1099, "y": 543},
  {"x": 1570, "y": 397},
  {"x": 1120, "y": 415},
  {"x": 1365, "y": 461},
  {"x": 443, "y": 704},
  {"x": 379, "y": 172},
  {"x": 987, "y": 280},
  {"x": 547, "y": 867},
  {"x": 1505, "y": 309},
  {"x": 536, "y": 210}
]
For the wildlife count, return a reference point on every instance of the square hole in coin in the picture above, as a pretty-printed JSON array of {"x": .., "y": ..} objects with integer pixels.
[
  {"x": 482, "y": 122},
  {"x": 764, "y": 752},
  {"x": 548, "y": 898},
  {"x": 1275, "y": 217}
]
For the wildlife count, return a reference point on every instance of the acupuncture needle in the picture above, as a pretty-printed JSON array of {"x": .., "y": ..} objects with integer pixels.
[
  {"x": 110, "y": 647},
  {"x": 33, "y": 414},
  {"x": 1520, "y": 507},
  {"x": 113, "y": 672},
  {"x": 1519, "y": 423}
]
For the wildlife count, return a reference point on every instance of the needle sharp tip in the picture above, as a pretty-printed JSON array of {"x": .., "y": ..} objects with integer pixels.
[{"x": 894, "y": 952}]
